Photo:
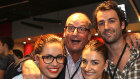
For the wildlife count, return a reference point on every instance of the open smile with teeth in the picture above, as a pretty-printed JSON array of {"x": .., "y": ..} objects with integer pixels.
[
  {"x": 89, "y": 73},
  {"x": 54, "y": 70},
  {"x": 76, "y": 41},
  {"x": 108, "y": 33}
]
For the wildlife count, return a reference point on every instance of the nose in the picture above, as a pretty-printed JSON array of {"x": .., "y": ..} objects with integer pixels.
[
  {"x": 54, "y": 63},
  {"x": 106, "y": 25},
  {"x": 88, "y": 67},
  {"x": 75, "y": 31}
]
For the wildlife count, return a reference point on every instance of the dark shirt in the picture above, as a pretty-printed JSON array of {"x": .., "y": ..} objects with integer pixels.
[{"x": 3, "y": 63}]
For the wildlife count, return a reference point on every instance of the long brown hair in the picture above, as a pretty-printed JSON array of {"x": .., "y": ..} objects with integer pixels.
[{"x": 100, "y": 47}]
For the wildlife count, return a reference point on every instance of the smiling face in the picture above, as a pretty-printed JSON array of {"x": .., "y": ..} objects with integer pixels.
[
  {"x": 109, "y": 26},
  {"x": 76, "y": 41},
  {"x": 93, "y": 64},
  {"x": 53, "y": 69}
]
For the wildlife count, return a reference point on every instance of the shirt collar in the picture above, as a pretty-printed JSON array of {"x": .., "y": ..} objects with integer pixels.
[{"x": 69, "y": 56}]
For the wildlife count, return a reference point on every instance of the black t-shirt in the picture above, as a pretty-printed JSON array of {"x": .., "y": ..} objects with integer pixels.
[{"x": 3, "y": 62}]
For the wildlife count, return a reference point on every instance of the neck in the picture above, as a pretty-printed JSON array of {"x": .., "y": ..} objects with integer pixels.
[
  {"x": 75, "y": 56},
  {"x": 8, "y": 52},
  {"x": 44, "y": 77},
  {"x": 115, "y": 49}
]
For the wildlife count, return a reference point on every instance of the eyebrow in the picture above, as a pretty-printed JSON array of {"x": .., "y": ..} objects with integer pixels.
[
  {"x": 52, "y": 55},
  {"x": 112, "y": 18},
  {"x": 95, "y": 60},
  {"x": 109, "y": 19},
  {"x": 100, "y": 21},
  {"x": 73, "y": 25},
  {"x": 90, "y": 60}
]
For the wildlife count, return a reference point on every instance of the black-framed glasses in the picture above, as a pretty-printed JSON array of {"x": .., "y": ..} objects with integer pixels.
[
  {"x": 79, "y": 29},
  {"x": 49, "y": 59}
]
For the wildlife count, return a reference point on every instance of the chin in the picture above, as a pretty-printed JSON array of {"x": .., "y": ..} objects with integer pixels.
[
  {"x": 87, "y": 77},
  {"x": 53, "y": 75},
  {"x": 93, "y": 76}
]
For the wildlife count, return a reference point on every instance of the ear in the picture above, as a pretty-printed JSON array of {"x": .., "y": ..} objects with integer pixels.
[
  {"x": 5, "y": 45},
  {"x": 36, "y": 58},
  {"x": 123, "y": 25},
  {"x": 64, "y": 32},
  {"x": 106, "y": 64}
]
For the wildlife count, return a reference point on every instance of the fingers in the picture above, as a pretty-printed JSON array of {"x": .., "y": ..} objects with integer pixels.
[
  {"x": 133, "y": 39},
  {"x": 30, "y": 70},
  {"x": 129, "y": 40},
  {"x": 129, "y": 43},
  {"x": 136, "y": 40},
  {"x": 33, "y": 76}
]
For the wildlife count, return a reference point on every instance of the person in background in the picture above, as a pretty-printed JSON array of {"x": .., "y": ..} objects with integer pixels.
[
  {"x": 6, "y": 54},
  {"x": 110, "y": 21},
  {"x": 95, "y": 61},
  {"x": 76, "y": 35},
  {"x": 49, "y": 56},
  {"x": 18, "y": 53},
  {"x": 6, "y": 46}
]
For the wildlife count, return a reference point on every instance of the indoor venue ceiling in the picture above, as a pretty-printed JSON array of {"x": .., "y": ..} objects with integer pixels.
[{"x": 12, "y": 10}]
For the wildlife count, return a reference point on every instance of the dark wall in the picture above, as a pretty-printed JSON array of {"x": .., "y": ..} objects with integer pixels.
[{"x": 131, "y": 15}]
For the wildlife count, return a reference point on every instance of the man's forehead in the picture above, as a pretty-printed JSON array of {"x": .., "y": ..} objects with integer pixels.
[
  {"x": 107, "y": 13},
  {"x": 78, "y": 18},
  {"x": 77, "y": 24}
]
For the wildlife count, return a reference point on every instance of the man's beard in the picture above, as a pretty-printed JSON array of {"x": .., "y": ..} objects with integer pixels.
[{"x": 113, "y": 39}]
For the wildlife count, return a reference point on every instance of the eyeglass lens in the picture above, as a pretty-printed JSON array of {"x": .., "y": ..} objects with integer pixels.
[
  {"x": 50, "y": 59},
  {"x": 79, "y": 29}
]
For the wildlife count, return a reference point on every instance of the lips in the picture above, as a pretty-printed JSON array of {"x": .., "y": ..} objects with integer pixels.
[
  {"x": 88, "y": 73},
  {"x": 75, "y": 41},
  {"x": 108, "y": 33},
  {"x": 53, "y": 70}
]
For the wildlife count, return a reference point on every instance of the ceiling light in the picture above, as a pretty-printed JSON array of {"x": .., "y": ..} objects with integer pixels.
[
  {"x": 128, "y": 30},
  {"x": 29, "y": 38},
  {"x": 24, "y": 42}
]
